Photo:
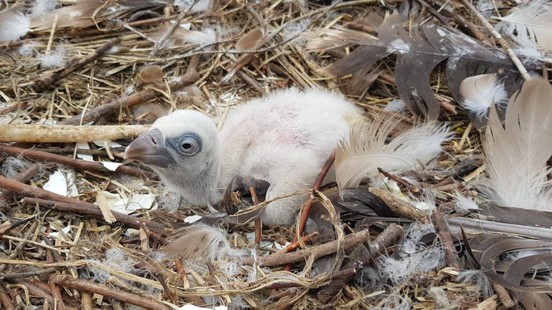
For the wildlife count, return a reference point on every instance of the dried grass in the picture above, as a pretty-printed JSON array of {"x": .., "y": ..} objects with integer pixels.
[{"x": 37, "y": 256}]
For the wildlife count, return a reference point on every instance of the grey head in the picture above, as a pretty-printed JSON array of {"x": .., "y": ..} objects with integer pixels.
[{"x": 183, "y": 148}]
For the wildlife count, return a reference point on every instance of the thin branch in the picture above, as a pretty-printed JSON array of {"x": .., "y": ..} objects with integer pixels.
[
  {"x": 92, "y": 166},
  {"x": 365, "y": 256},
  {"x": 499, "y": 38},
  {"x": 349, "y": 242},
  {"x": 33, "y": 133},
  {"x": 130, "y": 298}
]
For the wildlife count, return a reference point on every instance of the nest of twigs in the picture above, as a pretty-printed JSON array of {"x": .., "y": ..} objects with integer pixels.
[{"x": 127, "y": 63}]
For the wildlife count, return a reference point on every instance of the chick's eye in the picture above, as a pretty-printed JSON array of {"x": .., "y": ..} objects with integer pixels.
[{"x": 190, "y": 144}]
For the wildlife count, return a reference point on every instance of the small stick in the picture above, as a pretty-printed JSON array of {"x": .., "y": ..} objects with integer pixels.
[
  {"x": 52, "y": 78},
  {"x": 462, "y": 22},
  {"x": 92, "y": 166},
  {"x": 503, "y": 296},
  {"x": 308, "y": 205},
  {"x": 10, "y": 108},
  {"x": 35, "y": 290},
  {"x": 246, "y": 58},
  {"x": 499, "y": 38},
  {"x": 71, "y": 150},
  {"x": 86, "y": 301},
  {"x": 30, "y": 191},
  {"x": 316, "y": 186},
  {"x": 451, "y": 257},
  {"x": 448, "y": 187},
  {"x": 43, "y": 290},
  {"x": 349, "y": 242},
  {"x": 32, "y": 230},
  {"x": 445, "y": 181},
  {"x": 125, "y": 102},
  {"x": 434, "y": 12},
  {"x": 59, "y": 202},
  {"x": 33, "y": 133},
  {"x": 23, "y": 177},
  {"x": 56, "y": 292},
  {"x": 409, "y": 186},
  {"x": 400, "y": 207},
  {"x": 249, "y": 80},
  {"x": 26, "y": 274},
  {"x": 258, "y": 222},
  {"x": 292, "y": 246},
  {"x": 5, "y": 300},
  {"x": 8, "y": 225},
  {"x": 130, "y": 298},
  {"x": 378, "y": 246}
]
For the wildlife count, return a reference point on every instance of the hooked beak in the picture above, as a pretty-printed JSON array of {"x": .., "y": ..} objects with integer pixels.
[{"x": 149, "y": 148}]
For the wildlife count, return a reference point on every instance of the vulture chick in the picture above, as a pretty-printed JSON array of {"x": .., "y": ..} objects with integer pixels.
[{"x": 282, "y": 139}]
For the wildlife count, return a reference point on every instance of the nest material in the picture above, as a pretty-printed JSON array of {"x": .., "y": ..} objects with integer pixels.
[{"x": 52, "y": 251}]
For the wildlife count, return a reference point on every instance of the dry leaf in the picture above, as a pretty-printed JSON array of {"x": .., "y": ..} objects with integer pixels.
[
  {"x": 150, "y": 75},
  {"x": 250, "y": 40}
]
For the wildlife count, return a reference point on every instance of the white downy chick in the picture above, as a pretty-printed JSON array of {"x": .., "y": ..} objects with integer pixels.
[{"x": 283, "y": 138}]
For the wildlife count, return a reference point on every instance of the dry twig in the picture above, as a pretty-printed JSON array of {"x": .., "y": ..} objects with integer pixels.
[
  {"x": 93, "y": 166},
  {"x": 65, "y": 133}
]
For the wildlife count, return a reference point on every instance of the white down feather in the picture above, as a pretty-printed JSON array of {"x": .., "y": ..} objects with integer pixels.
[{"x": 365, "y": 151}]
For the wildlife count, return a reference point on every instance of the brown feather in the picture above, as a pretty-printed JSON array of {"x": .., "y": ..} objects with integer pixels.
[
  {"x": 196, "y": 242},
  {"x": 250, "y": 40}
]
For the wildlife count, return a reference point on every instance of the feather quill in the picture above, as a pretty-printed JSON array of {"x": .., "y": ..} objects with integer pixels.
[
  {"x": 516, "y": 153},
  {"x": 530, "y": 26},
  {"x": 365, "y": 150}
]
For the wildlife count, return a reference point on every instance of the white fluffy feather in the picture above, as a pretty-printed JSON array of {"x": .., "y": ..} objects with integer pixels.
[
  {"x": 516, "y": 153},
  {"x": 54, "y": 59},
  {"x": 464, "y": 204},
  {"x": 364, "y": 151},
  {"x": 13, "y": 25},
  {"x": 480, "y": 92},
  {"x": 395, "y": 105},
  {"x": 41, "y": 7},
  {"x": 200, "y": 6},
  {"x": 414, "y": 257},
  {"x": 284, "y": 138},
  {"x": 530, "y": 26}
]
